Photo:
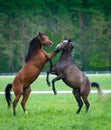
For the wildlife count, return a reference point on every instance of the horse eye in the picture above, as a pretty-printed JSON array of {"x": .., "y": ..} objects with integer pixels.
[
  {"x": 66, "y": 43},
  {"x": 42, "y": 38}
]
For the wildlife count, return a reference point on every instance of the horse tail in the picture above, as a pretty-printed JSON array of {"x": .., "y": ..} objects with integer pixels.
[
  {"x": 95, "y": 84},
  {"x": 8, "y": 94}
]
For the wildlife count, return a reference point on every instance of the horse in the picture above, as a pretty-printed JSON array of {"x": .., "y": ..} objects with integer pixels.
[
  {"x": 34, "y": 62},
  {"x": 72, "y": 76}
]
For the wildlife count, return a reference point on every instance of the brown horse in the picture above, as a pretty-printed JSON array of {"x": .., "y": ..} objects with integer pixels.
[
  {"x": 34, "y": 62},
  {"x": 66, "y": 70}
]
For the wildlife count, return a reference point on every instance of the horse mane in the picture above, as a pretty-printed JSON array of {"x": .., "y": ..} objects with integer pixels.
[{"x": 32, "y": 46}]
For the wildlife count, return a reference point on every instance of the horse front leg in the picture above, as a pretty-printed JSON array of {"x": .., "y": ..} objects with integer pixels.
[
  {"x": 47, "y": 78},
  {"x": 53, "y": 82},
  {"x": 49, "y": 71},
  {"x": 51, "y": 64},
  {"x": 48, "y": 57}
]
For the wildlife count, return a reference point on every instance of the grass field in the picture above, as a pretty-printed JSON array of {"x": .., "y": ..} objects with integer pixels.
[
  {"x": 49, "y": 112},
  {"x": 40, "y": 84}
]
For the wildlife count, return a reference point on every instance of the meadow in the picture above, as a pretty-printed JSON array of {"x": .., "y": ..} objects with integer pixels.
[{"x": 50, "y": 112}]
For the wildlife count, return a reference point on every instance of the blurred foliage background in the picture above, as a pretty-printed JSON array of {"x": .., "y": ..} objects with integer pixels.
[{"x": 86, "y": 22}]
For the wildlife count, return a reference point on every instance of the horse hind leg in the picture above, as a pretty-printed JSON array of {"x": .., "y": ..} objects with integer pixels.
[
  {"x": 86, "y": 103},
  {"x": 76, "y": 93},
  {"x": 84, "y": 95},
  {"x": 17, "y": 97},
  {"x": 26, "y": 94}
]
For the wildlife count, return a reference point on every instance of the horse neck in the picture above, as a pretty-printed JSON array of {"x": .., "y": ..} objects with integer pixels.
[
  {"x": 38, "y": 45},
  {"x": 37, "y": 48},
  {"x": 66, "y": 55},
  {"x": 33, "y": 50}
]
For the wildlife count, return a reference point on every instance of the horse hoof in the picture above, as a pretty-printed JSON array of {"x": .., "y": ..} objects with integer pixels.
[
  {"x": 49, "y": 84},
  {"x": 77, "y": 112},
  {"x": 26, "y": 112},
  {"x": 14, "y": 114},
  {"x": 55, "y": 93}
]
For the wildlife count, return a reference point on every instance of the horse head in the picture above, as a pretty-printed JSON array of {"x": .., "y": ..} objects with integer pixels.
[
  {"x": 44, "y": 40},
  {"x": 65, "y": 45},
  {"x": 36, "y": 43}
]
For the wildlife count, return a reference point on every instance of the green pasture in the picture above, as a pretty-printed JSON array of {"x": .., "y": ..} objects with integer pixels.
[
  {"x": 50, "y": 112},
  {"x": 40, "y": 84}
]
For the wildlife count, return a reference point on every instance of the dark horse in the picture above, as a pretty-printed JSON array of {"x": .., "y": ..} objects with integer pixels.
[
  {"x": 66, "y": 70},
  {"x": 34, "y": 62}
]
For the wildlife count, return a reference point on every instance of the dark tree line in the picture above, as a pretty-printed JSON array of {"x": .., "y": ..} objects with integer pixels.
[{"x": 87, "y": 22}]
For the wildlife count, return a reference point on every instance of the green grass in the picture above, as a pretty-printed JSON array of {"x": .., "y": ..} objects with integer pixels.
[
  {"x": 40, "y": 84},
  {"x": 49, "y": 112}
]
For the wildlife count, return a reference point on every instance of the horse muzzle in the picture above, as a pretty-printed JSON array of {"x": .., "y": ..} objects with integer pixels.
[
  {"x": 58, "y": 46},
  {"x": 50, "y": 44}
]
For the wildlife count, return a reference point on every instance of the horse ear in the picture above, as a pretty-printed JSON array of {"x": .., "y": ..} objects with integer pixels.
[
  {"x": 64, "y": 37},
  {"x": 40, "y": 34},
  {"x": 69, "y": 40}
]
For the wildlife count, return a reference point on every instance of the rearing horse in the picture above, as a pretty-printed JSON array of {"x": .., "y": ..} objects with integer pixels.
[
  {"x": 72, "y": 76},
  {"x": 34, "y": 62}
]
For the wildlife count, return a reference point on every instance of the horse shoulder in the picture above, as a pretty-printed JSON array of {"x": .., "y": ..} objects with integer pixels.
[{"x": 44, "y": 52}]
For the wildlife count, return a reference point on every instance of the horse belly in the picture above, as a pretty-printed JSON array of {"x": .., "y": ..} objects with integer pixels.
[
  {"x": 31, "y": 77},
  {"x": 72, "y": 81},
  {"x": 26, "y": 76},
  {"x": 71, "y": 84}
]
